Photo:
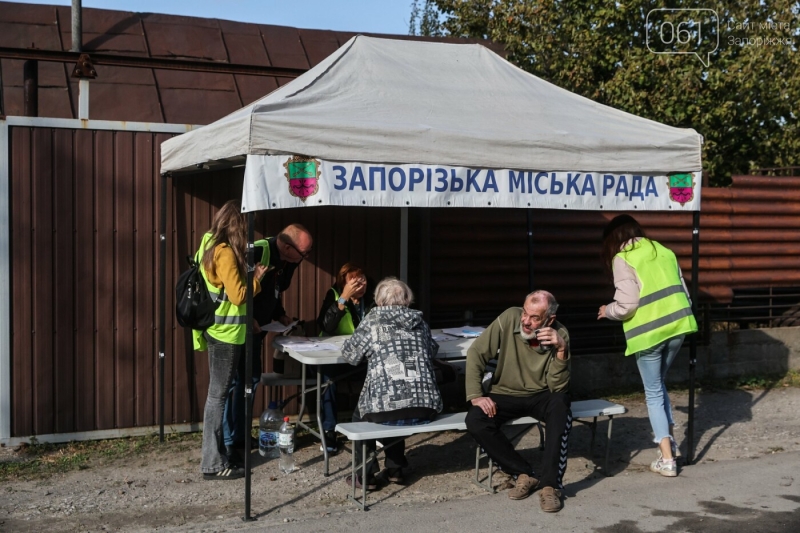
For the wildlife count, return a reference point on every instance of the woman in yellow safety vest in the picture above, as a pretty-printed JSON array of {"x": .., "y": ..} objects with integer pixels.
[
  {"x": 223, "y": 268},
  {"x": 653, "y": 304}
]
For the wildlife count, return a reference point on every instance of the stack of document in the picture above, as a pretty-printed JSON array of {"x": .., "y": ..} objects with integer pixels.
[{"x": 305, "y": 344}]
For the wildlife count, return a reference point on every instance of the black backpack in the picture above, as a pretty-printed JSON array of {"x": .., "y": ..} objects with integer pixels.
[{"x": 194, "y": 306}]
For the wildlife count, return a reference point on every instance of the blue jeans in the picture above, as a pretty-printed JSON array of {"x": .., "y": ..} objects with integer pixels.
[
  {"x": 222, "y": 359},
  {"x": 653, "y": 365},
  {"x": 234, "y": 424}
]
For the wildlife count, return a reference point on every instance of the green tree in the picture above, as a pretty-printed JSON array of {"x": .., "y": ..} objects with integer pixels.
[
  {"x": 426, "y": 21},
  {"x": 744, "y": 102}
]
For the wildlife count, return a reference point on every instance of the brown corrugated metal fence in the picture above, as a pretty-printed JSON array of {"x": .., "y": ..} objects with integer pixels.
[
  {"x": 749, "y": 237},
  {"x": 84, "y": 236}
]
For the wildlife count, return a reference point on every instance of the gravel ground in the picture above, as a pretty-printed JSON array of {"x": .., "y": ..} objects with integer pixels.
[{"x": 165, "y": 490}]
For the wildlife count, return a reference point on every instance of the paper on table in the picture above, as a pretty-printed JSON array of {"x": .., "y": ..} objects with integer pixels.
[
  {"x": 278, "y": 327},
  {"x": 442, "y": 337},
  {"x": 310, "y": 346},
  {"x": 466, "y": 331}
]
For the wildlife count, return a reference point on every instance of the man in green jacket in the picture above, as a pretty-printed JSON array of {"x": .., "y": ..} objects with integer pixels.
[{"x": 531, "y": 379}]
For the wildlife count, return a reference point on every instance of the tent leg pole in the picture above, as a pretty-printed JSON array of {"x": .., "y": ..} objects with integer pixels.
[
  {"x": 530, "y": 250},
  {"x": 162, "y": 295},
  {"x": 404, "y": 244},
  {"x": 248, "y": 367},
  {"x": 693, "y": 340}
]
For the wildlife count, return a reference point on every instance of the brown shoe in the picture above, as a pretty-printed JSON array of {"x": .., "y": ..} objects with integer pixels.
[
  {"x": 525, "y": 485},
  {"x": 550, "y": 500}
]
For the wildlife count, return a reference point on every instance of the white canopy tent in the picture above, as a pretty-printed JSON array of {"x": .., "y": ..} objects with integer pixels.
[
  {"x": 422, "y": 124},
  {"x": 379, "y": 104}
]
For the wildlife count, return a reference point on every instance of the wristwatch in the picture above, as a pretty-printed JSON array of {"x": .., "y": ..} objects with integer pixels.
[{"x": 341, "y": 301}]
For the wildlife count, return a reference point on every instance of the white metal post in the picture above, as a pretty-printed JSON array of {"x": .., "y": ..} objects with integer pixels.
[
  {"x": 83, "y": 99},
  {"x": 5, "y": 288}
]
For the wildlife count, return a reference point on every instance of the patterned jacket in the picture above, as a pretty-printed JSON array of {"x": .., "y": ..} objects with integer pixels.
[{"x": 398, "y": 346}]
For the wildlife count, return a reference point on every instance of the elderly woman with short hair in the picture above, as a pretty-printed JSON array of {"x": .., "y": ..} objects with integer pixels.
[{"x": 400, "y": 388}]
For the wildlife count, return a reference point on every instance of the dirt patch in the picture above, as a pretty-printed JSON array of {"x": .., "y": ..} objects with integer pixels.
[{"x": 163, "y": 489}]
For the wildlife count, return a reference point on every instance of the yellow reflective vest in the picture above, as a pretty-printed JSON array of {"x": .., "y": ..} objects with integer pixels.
[
  {"x": 664, "y": 310},
  {"x": 229, "y": 319},
  {"x": 346, "y": 326}
]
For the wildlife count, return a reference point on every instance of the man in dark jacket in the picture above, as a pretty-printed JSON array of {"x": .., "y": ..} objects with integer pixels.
[
  {"x": 281, "y": 255},
  {"x": 531, "y": 379}
]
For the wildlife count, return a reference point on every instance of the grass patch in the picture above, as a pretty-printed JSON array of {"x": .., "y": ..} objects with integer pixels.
[{"x": 42, "y": 459}]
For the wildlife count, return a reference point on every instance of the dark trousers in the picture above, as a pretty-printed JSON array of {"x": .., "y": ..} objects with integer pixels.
[
  {"x": 394, "y": 450},
  {"x": 551, "y": 408},
  {"x": 222, "y": 360}
]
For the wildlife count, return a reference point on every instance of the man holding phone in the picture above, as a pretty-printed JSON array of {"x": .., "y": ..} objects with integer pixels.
[{"x": 531, "y": 379}]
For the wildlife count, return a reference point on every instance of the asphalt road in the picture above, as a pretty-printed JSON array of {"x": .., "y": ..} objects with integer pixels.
[{"x": 752, "y": 495}]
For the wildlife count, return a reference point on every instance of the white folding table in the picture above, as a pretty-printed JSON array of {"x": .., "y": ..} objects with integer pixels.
[{"x": 451, "y": 349}]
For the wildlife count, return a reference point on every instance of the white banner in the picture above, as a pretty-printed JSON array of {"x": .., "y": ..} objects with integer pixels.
[{"x": 279, "y": 182}]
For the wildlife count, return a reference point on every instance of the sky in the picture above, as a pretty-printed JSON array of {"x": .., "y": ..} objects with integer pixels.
[{"x": 374, "y": 16}]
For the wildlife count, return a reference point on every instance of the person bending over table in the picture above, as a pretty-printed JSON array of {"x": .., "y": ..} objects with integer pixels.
[
  {"x": 342, "y": 311},
  {"x": 279, "y": 256},
  {"x": 531, "y": 379},
  {"x": 400, "y": 388}
]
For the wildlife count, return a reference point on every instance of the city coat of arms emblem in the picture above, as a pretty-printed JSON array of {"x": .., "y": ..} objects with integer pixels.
[
  {"x": 303, "y": 175},
  {"x": 681, "y": 187}
]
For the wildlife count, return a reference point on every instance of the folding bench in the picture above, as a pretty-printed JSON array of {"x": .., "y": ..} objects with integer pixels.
[{"x": 358, "y": 432}]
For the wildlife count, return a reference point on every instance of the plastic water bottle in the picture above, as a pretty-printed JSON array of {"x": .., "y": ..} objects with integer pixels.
[
  {"x": 286, "y": 446},
  {"x": 269, "y": 425}
]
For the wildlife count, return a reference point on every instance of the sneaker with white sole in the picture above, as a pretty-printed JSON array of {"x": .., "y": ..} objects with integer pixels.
[
  {"x": 225, "y": 474},
  {"x": 665, "y": 467}
]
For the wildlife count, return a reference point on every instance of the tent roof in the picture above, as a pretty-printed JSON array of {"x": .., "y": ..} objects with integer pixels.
[{"x": 389, "y": 101}]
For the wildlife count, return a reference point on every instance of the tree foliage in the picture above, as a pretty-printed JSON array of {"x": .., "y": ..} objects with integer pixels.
[
  {"x": 425, "y": 20},
  {"x": 744, "y": 102}
]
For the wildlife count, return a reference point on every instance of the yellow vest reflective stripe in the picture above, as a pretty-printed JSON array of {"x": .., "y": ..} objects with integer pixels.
[
  {"x": 229, "y": 319},
  {"x": 664, "y": 310}
]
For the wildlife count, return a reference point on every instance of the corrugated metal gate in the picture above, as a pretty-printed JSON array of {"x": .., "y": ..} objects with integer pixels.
[{"x": 84, "y": 208}]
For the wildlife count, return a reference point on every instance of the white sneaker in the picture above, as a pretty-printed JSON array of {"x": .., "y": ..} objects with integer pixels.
[{"x": 665, "y": 467}]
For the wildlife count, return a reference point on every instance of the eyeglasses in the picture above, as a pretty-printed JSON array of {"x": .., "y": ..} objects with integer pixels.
[{"x": 301, "y": 254}]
